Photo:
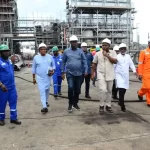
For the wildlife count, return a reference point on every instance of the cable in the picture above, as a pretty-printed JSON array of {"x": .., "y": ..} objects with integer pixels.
[{"x": 88, "y": 100}]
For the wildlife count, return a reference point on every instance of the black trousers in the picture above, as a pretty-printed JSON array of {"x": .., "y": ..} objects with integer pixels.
[
  {"x": 121, "y": 96},
  {"x": 114, "y": 89},
  {"x": 74, "y": 83},
  {"x": 87, "y": 83}
]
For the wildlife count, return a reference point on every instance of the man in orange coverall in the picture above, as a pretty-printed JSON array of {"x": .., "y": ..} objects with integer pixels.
[{"x": 144, "y": 74}]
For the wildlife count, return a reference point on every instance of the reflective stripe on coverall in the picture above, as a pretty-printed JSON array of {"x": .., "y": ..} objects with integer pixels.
[
  {"x": 144, "y": 70},
  {"x": 57, "y": 79},
  {"x": 7, "y": 78}
]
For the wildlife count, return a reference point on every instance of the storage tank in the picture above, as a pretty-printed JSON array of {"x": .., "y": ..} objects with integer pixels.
[
  {"x": 89, "y": 42},
  {"x": 88, "y": 33}
]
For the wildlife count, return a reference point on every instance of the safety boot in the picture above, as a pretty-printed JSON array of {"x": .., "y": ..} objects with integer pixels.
[
  {"x": 101, "y": 110},
  {"x": 17, "y": 122},
  {"x": 109, "y": 109},
  {"x": 2, "y": 122},
  {"x": 60, "y": 93},
  {"x": 140, "y": 97}
]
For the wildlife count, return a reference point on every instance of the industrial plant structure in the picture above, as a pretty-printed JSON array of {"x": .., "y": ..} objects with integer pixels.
[
  {"x": 94, "y": 20},
  {"x": 8, "y": 20}
]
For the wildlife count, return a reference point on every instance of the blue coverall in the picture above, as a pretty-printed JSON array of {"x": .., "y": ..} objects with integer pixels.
[
  {"x": 57, "y": 79},
  {"x": 7, "y": 78},
  {"x": 40, "y": 67}
]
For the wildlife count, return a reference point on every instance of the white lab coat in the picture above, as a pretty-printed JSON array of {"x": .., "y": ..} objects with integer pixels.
[{"x": 122, "y": 70}]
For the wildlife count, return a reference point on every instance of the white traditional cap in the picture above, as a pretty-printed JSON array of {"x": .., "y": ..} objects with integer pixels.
[
  {"x": 42, "y": 45},
  {"x": 106, "y": 41},
  {"x": 73, "y": 38},
  {"x": 122, "y": 45},
  {"x": 83, "y": 44},
  {"x": 116, "y": 48}
]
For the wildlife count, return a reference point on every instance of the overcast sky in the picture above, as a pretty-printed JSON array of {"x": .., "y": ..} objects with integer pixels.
[{"x": 56, "y": 9}]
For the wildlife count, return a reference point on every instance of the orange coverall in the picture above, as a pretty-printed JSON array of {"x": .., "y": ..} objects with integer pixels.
[{"x": 144, "y": 70}]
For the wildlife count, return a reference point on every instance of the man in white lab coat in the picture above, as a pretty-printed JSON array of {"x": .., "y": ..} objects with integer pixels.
[{"x": 122, "y": 73}]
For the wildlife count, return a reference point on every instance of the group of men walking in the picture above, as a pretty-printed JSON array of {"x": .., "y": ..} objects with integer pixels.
[{"x": 110, "y": 66}]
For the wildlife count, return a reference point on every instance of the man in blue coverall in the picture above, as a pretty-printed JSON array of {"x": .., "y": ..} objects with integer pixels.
[
  {"x": 73, "y": 60},
  {"x": 8, "y": 91},
  {"x": 57, "y": 77},
  {"x": 87, "y": 78}
]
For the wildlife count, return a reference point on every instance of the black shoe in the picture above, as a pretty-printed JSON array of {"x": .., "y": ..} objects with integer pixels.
[
  {"x": 88, "y": 96},
  {"x": 59, "y": 93},
  {"x": 140, "y": 97},
  {"x": 17, "y": 122},
  {"x": 47, "y": 104},
  {"x": 101, "y": 110},
  {"x": 109, "y": 109},
  {"x": 115, "y": 97},
  {"x": 2, "y": 122},
  {"x": 55, "y": 95},
  {"x": 119, "y": 104},
  {"x": 94, "y": 85},
  {"x": 123, "y": 108},
  {"x": 70, "y": 108},
  {"x": 76, "y": 107},
  {"x": 44, "y": 110}
]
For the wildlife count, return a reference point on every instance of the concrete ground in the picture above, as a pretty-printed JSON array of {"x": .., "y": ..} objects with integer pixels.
[{"x": 81, "y": 130}]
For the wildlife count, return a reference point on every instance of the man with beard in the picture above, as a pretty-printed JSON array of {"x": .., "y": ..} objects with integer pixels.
[{"x": 43, "y": 67}]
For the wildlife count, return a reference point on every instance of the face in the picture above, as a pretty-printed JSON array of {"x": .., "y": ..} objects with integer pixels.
[
  {"x": 117, "y": 52},
  {"x": 43, "y": 51},
  {"x": 123, "y": 50},
  {"x": 55, "y": 53},
  {"x": 148, "y": 44},
  {"x": 5, "y": 54},
  {"x": 74, "y": 44},
  {"x": 105, "y": 46},
  {"x": 84, "y": 48}
]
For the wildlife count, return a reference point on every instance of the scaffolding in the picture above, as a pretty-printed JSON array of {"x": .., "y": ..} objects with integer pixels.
[{"x": 94, "y": 20}]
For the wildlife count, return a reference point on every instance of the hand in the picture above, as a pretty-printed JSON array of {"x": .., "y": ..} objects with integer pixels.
[
  {"x": 34, "y": 81},
  {"x": 135, "y": 73},
  {"x": 51, "y": 73},
  {"x": 86, "y": 74},
  {"x": 140, "y": 77},
  {"x": 63, "y": 76},
  {"x": 105, "y": 53},
  {"x": 92, "y": 77},
  {"x": 3, "y": 87}
]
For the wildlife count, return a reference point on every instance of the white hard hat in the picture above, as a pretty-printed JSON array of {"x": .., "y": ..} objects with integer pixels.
[
  {"x": 42, "y": 45},
  {"x": 83, "y": 44},
  {"x": 73, "y": 38},
  {"x": 148, "y": 40},
  {"x": 116, "y": 48},
  {"x": 106, "y": 41},
  {"x": 122, "y": 45},
  {"x": 97, "y": 45}
]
